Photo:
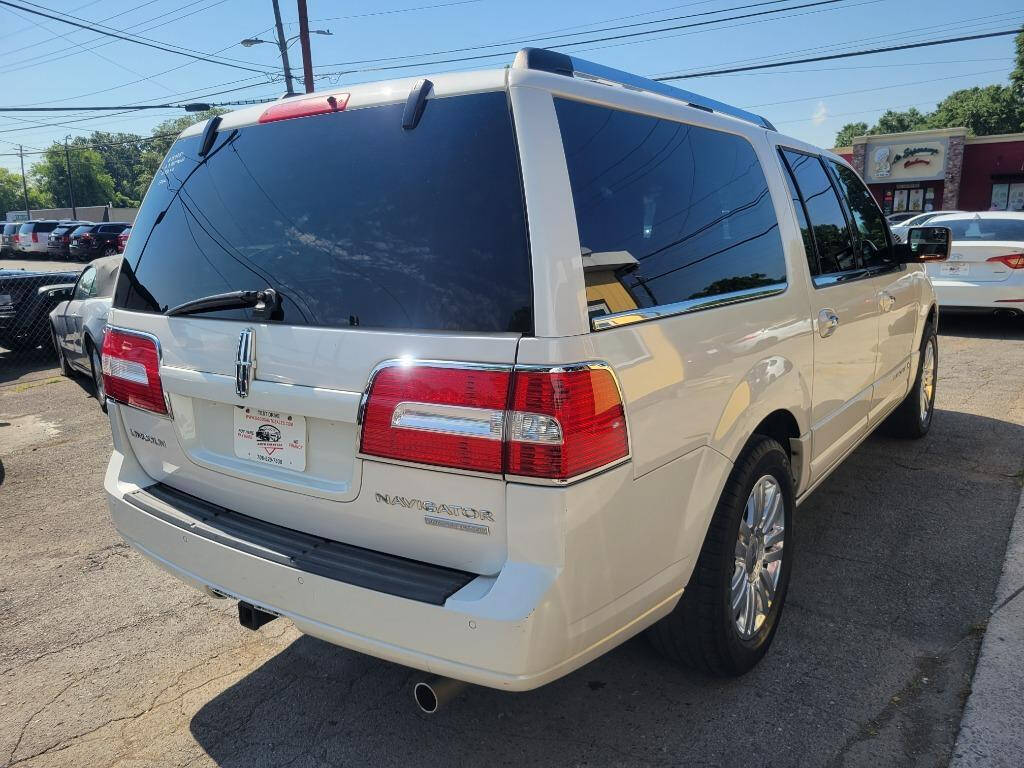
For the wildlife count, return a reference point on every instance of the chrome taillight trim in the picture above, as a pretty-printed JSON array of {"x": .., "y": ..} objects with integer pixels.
[
  {"x": 458, "y": 420},
  {"x": 159, "y": 360}
]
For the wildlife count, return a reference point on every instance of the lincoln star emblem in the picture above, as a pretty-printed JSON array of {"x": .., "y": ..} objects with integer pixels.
[{"x": 245, "y": 362}]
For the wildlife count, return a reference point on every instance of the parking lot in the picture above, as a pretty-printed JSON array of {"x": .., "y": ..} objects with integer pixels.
[{"x": 108, "y": 661}]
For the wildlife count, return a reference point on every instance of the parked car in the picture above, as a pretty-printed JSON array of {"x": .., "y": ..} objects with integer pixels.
[
  {"x": 33, "y": 236},
  {"x": 26, "y": 298},
  {"x": 98, "y": 240},
  {"x": 515, "y": 428},
  {"x": 57, "y": 247},
  {"x": 122, "y": 239},
  {"x": 899, "y": 231},
  {"x": 897, "y": 218},
  {"x": 79, "y": 321},
  {"x": 985, "y": 272},
  {"x": 8, "y": 232}
]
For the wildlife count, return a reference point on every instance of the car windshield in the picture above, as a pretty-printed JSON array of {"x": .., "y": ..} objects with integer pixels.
[{"x": 978, "y": 228}]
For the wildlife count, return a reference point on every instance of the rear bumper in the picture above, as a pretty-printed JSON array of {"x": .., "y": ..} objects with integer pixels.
[
  {"x": 534, "y": 621},
  {"x": 1004, "y": 294}
]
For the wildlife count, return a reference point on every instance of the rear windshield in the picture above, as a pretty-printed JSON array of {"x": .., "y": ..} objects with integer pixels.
[
  {"x": 10, "y": 229},
  {"x": 82, "y": 229},
  {"x": 40, "y": 226},
  {"x": 984, "y": 229},
  {"x": 354, "y": 220}
]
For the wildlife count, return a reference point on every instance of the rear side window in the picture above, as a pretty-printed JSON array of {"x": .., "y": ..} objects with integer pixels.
[
  {"x": 801, "y": 216},
  {"x": 831, "y": 233},
  {"x": 666, "y": 212},
  {"x": 979, "y": 228},
  {"x": 355, "y": 221}
]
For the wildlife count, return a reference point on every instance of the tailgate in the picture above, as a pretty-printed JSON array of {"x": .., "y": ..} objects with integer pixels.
[{"x": 307, "y": 384}]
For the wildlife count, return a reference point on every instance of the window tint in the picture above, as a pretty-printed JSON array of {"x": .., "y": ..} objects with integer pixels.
[
  {"x": 666, "y": 211},
  {"x": 353, "y": 219},
  {"x": 81, "y": 230},
  {"x": 85, "y": 284},
  {"x": 801, "y": 217},
  {"x": 46, "y": 226},
  {"x": 867, "y": 217},
  {"x": 979, "y": 228},
  {"x": 831, "y": 233}
]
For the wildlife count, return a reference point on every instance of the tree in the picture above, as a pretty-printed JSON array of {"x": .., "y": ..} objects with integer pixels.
[
  {"x": 983, "y": 111},
  {"x": 1017, "y": 75},
  {"x": 120, "y": 153},
  {"x": 156, "y": 148},
  {"x": 12, "y": 196},
  {"x": 92, "y": 184},
  {"x": 900, "y": 122},
  {"x": 848, "y": 132}
]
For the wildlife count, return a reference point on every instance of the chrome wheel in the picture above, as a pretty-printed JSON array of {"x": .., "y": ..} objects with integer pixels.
[
  {"x": 926, "y": 392},
  {"x": 758, "y": 565}
]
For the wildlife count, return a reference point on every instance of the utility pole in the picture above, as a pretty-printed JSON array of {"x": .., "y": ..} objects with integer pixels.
[
  {"x": 307, "y": 61},
  {"x": 24, "y": 184},
  {"x": 282, "y": 44},
  {"x": 71, "y": 185}
]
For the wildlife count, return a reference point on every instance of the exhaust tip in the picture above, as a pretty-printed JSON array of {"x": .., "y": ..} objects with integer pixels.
[{"x": 426, "y": 698}]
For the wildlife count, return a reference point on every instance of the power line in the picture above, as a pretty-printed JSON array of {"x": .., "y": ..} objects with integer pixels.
[
  {"x": 512, "y": 52},
  {"x": 149, "y": 44},
  {"x": 847, "y": 55},
  {"x": 387, "y": 13}
]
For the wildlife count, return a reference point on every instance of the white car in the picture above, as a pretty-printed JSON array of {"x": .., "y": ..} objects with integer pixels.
[
  {"x": 985, "y": 270},
  {"x": 899, "y": 231},
  {"x": 486, "y": 373},
  {"x": 79, "y": 322}
]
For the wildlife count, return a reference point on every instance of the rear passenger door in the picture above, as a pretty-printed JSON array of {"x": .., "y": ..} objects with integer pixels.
[
  {"x": 893, "y": 286},
  {"x": 844, "y": 314}
]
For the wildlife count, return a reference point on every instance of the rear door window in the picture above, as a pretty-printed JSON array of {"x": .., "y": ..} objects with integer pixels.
[
  {"x": 828, "y": 222},
  {"x": 354, "y": 220},
  {"x": 666, "y": 212}
]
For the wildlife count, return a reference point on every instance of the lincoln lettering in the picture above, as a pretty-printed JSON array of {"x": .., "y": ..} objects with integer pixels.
[{"x": 433, "y": 508}]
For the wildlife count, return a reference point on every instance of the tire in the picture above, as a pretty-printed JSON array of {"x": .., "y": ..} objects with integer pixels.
[
  {"x": 703, "y": 631},
  {"x": 110, "y": 252},
  {"x": 913, "y": 417},
  {"x": 62, "y": 363},
  {"x": 96, "y": 367}
]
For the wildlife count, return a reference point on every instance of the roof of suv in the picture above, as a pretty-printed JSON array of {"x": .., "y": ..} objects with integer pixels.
[{"x": 455, "y": 83}]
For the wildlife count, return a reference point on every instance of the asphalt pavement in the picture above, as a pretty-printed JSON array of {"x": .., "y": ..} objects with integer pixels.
[{"x": 105, "y": 660}]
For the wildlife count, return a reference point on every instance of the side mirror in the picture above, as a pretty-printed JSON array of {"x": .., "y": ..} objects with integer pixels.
[
  {"x": 58, "y": 292},
  {"x": 925, "y": 244}
]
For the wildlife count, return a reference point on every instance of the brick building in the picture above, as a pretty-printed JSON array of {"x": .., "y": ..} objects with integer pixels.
[{"x": 943, "y": 169}]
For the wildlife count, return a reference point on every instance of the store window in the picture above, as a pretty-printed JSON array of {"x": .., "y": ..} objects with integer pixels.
[{"x": 1008, "y": 196}]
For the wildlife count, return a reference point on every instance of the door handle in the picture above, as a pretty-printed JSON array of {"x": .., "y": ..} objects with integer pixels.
[
  {"x": 828, "y": 321},
  {"x": 886, "y": 301}
]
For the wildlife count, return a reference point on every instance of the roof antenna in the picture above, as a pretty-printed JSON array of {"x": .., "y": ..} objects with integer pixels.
[{"x": 416, "y": 103}]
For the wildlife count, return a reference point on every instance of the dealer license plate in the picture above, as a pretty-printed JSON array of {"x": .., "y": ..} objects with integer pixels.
[
  {"x": 954, "y": 269},
  {"x": 270, "y": 437}
]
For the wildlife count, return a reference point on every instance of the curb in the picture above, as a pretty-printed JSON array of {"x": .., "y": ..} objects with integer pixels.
[{"x": 991, "y": 731}]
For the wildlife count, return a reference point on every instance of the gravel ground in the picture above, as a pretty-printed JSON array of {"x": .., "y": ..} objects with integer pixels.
[{"x": 107, "y": 661}]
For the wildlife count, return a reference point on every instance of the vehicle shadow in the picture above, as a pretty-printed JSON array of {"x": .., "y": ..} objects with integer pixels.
[
  {"x": 879, "y": 599},
  {"x": 980, "y": 326},
  {"x": 26, "y": 365}
]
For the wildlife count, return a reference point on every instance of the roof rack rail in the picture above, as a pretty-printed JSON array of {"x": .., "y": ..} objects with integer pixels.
[{"x": 545, "y": 60}]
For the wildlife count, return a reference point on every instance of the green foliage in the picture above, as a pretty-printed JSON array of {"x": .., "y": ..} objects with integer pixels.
[
  {"x": 92, "y": 184},
  {"x": 154, "y": 151},
  {"x": 983, "y": 110},
  {"x": 120, "y": 153},
  {"x": 12, "y": 197}
]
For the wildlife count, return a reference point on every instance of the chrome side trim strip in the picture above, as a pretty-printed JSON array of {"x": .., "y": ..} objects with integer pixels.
[{"x": 641, "y": 315}]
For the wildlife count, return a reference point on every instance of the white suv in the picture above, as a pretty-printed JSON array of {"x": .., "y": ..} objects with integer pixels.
[{"x": 486, "y": 373}]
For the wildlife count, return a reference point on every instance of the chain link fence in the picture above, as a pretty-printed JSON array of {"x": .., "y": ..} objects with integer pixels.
[{"x": 27, "y": 297}]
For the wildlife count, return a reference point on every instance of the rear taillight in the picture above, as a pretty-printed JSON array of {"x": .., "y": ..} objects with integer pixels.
[
  {"x": 318, "y": 105},
  {"x": 564, "y": 422},
  {"x": 35, "y": 237},
  {"x": 553, "y": 423},
  {"x": 131, "y": 370},
  {"x": 1011, "y": 260}
]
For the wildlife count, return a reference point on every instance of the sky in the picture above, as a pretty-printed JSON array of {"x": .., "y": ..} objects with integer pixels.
[{"x": 44, "y": 62}]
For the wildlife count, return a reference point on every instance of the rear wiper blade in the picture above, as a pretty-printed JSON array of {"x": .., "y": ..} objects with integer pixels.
[{"x": 265, "y": 303}]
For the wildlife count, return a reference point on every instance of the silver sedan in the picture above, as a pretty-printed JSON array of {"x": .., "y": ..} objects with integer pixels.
[{"x": 78, "y": 322}]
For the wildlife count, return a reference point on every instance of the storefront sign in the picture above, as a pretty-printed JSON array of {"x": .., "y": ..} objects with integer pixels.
[{"x": 910, "y": 161}]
